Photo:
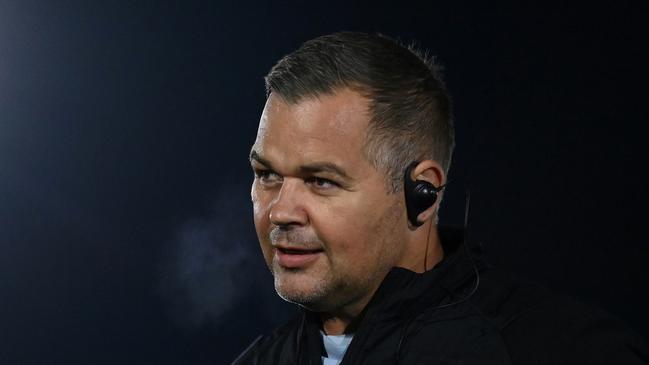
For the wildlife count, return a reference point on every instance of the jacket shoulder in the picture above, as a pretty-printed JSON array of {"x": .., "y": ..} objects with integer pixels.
[
  {"x": 269, "y": 349},
  {"x": 538, "y": 326}
]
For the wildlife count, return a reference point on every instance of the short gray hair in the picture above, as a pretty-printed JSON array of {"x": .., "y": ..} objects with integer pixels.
[{"x": 411, "y": 111}]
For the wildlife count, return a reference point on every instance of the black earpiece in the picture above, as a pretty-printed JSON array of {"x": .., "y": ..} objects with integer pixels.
[{"x": 420, "y": 195}]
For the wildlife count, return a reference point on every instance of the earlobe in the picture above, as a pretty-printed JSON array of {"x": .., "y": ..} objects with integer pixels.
[{"x": 426, "y": 214}]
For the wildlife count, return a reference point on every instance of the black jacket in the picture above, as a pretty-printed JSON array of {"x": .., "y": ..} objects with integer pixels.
[{"x": 461, "y": 312}]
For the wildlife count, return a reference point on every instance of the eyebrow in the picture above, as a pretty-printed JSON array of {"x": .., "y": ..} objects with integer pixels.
[
  {"x": 316, "y": 167},
  {"x": 254, "y": 156},
  {"x": 319, "y": 167}
]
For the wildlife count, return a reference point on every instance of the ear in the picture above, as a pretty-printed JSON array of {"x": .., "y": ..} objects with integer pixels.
[{"x": 431, "y": 171}]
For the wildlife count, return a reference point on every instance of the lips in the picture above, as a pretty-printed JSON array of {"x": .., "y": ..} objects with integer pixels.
[
  {"x": 297, "y": 251},
  {"x": 295, "y": 258}
]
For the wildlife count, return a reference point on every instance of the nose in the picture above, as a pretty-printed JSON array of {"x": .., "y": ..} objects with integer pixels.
[{"x": 288, "y": 206}]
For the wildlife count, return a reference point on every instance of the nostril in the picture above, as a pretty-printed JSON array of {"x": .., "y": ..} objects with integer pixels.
[
  {"x": 283, "y": 227},
  {"x": 286, "y": 218}
]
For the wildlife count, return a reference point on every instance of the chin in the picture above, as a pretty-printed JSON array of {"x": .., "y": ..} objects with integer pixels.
[{"x": 299, "y": 290}]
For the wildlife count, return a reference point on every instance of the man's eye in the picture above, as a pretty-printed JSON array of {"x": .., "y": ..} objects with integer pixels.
[
  {"x": 266, "y": 176},
  {"x": 322, "y": 183}
]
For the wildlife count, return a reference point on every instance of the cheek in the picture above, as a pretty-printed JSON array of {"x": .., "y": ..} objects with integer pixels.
[
  {"x": 254, "y": 197},
  {"x": 347, "y": 227},
  {"x": 260, "y": 200},
  {"x": 361, "y": 234},
  {"x": 261, "y": 218}
]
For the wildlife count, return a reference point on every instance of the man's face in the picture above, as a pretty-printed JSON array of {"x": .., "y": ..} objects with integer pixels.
[{"x": 328, "y": 228}]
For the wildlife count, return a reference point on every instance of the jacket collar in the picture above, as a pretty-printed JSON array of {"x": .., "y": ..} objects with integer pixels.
[{"x": 404, "y": 294}]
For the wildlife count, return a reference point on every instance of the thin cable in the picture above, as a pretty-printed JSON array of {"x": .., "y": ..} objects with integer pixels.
[
  {"x": 427, "y": 243},
  {"x": 467, "y": 205},
  {"x": 404, "y": 332}
]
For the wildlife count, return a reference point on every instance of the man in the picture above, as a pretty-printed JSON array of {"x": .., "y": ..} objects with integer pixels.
[{"x": 351, "y": 157}]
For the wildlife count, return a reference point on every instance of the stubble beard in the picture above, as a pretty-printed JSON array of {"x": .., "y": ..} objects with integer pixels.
[
  {"x": 317, "y": 296},
  {"x": 335, "y": 287},
  {"x": 308, "y": 287},
  {"x": 328, "y": 292}
]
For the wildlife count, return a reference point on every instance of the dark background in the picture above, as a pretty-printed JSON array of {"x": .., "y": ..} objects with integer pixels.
[{"x": 125, "y": 225}]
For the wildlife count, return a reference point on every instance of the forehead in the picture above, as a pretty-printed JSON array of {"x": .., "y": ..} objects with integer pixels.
[{"x": 329, "y": 128}]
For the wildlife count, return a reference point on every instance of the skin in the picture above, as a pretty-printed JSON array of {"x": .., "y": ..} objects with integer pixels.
[{"x": 314, "y": 190}]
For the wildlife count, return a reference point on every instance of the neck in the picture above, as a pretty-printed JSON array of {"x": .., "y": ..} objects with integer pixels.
[
  {"x": 337, "y": 324},
  {"x": 345, "y": 319},
  {"x": 425, "y": 251}
]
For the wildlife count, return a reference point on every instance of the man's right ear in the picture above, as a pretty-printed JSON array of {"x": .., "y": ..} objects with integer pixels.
[{"x": 421, "y": 194}]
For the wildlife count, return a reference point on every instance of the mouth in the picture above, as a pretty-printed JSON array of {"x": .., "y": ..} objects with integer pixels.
[{"x": 296, "y": 258}]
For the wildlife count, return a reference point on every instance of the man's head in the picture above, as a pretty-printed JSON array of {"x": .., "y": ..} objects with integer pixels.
[
  {"x": 410, "y": 109},
  {"x": 345, "y": 114}
]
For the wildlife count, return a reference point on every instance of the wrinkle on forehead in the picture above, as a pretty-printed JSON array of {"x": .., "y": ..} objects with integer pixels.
[
  {"x": 332, "y": 126},
  {"x": 338, "y": 111}
]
